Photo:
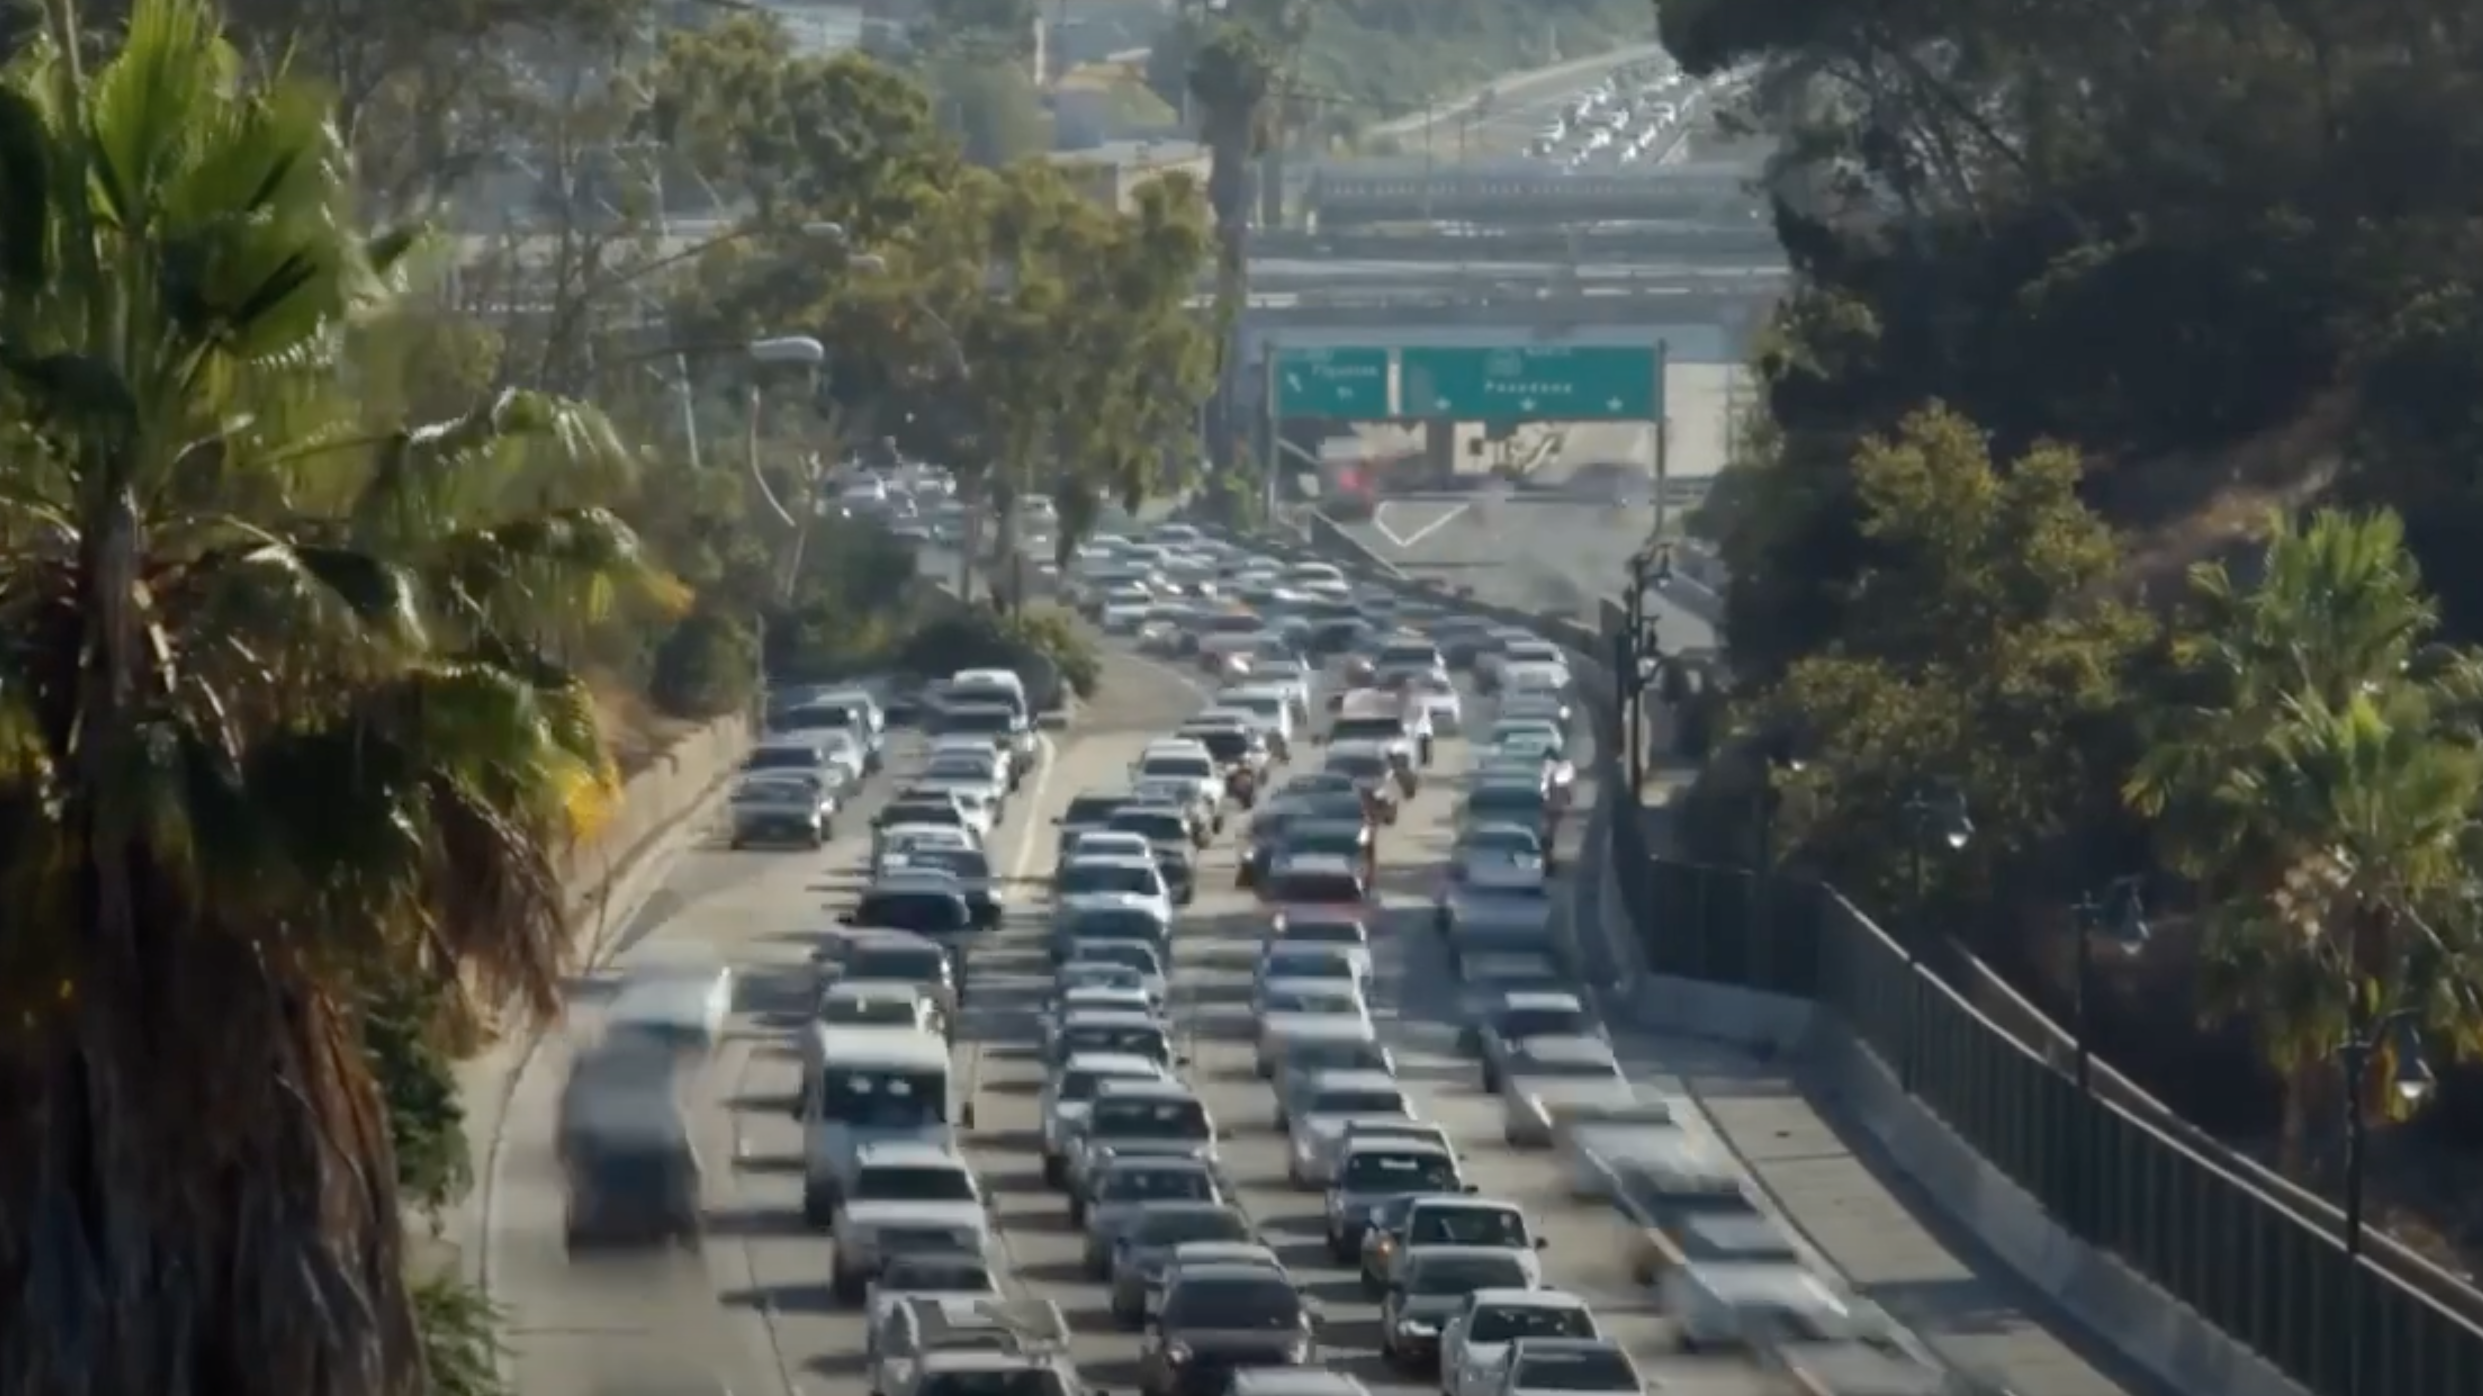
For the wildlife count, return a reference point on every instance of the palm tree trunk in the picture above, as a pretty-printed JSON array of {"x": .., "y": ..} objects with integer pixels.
[{"x": 1228, "y": 196}]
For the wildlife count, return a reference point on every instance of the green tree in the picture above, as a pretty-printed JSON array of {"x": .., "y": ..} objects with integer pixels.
[
  {"x": 1983, "y": 655},
  {"x": 281, "y": 720},
  {"x": 2318, "y": 776}
]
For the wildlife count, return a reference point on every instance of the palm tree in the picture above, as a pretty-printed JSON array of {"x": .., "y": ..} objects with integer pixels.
[
  {"x": 278, "y": 725},
  {"x": 2321, "y": 787}
]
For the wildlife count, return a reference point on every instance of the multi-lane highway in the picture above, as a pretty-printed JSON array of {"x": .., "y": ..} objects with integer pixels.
[{"x": 754, "y": 1313}]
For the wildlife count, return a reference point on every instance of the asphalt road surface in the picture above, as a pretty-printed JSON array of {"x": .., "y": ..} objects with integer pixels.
[{"x": 754, "y": 1315}]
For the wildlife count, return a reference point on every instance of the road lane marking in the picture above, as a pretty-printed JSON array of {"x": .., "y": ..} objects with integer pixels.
[{"x": 1379, "y": 520}]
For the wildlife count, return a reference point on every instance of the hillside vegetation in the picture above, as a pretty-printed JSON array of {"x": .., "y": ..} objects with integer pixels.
[{"x": 2086, "y": 301}]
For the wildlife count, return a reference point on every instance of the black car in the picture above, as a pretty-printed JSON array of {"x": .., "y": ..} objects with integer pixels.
[{"x": 1216, "y": 1318}]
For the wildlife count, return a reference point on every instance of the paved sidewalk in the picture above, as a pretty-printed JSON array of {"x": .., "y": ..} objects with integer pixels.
[{"x": 1874, "y": 1224}]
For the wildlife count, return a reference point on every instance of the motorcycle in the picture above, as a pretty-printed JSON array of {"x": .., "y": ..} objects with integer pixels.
[{"x": 1243, "y": 784}]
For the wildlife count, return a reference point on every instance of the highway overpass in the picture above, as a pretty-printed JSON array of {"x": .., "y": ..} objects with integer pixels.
[
  {"x": 1749, "y": 237},
  {"x": 1341, "y": 196}
]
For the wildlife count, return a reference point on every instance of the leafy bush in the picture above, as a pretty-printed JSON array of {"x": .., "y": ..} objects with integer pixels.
[
  {"x": 705, "y": 667},
  {"x": 402, "y": 1032},
  {"x": 459, "y": 1328},
  {"x": 1042, "y": 645}
]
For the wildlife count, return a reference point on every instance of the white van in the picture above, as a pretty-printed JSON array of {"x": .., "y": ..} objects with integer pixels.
[
  {"x": 873, "y": 1085},
  {"x": 970, "y": 685}
]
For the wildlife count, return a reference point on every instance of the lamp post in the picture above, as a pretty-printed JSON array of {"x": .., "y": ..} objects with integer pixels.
[
  {"x": 2397, "y": 1032},
  {"x": 2113, "y": 917},
  {"x": 1775, "y": 754},
  {"x": 2116, "y": 917},
  {"x": 1933, "y": 818},
  {"x": 1650, "y": 568}
]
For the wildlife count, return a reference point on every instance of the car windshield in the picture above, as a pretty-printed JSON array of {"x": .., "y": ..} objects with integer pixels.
[
  {"x": 1367, "y": 729},
  {"x": 1119, "y": 954},
  {"x": 923, "y": 812},
  {"x": 974, "y": 721},
  {"x": 998, "y": 1381},
  {"x": 1464, "y": 1274},
  {"x": 1454, "y": 1225},
  {"x": 1578, "y": 1369},
  {"x": 775, "y": 792},
  {"x": 1408, "y": 656},
  {"x": 1092, "y": 810},
  {"x": 1517, "y": 1023},
  {"x": 1224, "y": 744},
  {"x": 1115, "y": 923},
  {"x": 930, "y": 913},
  {"x": 868, "y": 1012},
  {"x": 964, "y": 864},
  {"x": 1155, "y": 1183},
  {"x": 1152, "y": 1118},
  {"x": 1357, "y": 1103},
  {"x": 909, "y": 963},
  {"x": 1506, "y": 800},
  {"x": 1234, "y": 624},
  {"x": 783, "y": 758},
  {"x": 936, "y": 1275},
  {"x": 1153, "y": 825},
  {"x": 1310, "y": 963},
  {"x": 1317, "y": 888},
  {"x": 813, "y": 717},
  {"x": 958, "y": 765},
  {"x": 1178, "y": 1226},
  {"x": 912, "y": 1183},
  {"x": 1086, "y": 879},
  {"x": 1082, "y": 1083},
  {"x": 1337, "y": 1056},
  {"x": 1311, "y": 1001},
  {"x": 1334, "y": 840},
  {"x": 1306, "y": 932},
  {"x": 1370, "y": 1170},
  {"x": 1135, "y": 1039},
  {"x": 1177, "y": 767},
  {"x": 1257, "y": 1303},
  {"x": 1504, "y": 839},
  {"x": 1506, "y": 1323},
  {"x": 1565, "y": 1069},
  {"x": 884, "y": 1099},
  {"x": 1360, "y": 765}
]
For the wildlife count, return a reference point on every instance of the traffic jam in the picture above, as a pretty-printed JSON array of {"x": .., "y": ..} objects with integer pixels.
[{"x": 1261, "y": 1066}]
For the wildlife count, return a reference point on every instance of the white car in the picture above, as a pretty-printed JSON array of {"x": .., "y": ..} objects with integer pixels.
[
  {"x": 1097, "y": 998},
  {"x": 1266, "y": 707},
  {"x": 1285, "y": 966},
  {"x": 1567, "y": 1367},
  {"x": 1345, "y": 935},
  {"x": 1315, "y": 1012},
  {"x": 1728, "y": 1304},
  {"x": 1321, "y": 1116},
  {"x": 926, "y": 1275},
  {"x": 1117, "y": 881},
  {"x": 1466, "y": 1221},
  {"x": 1190, "y": 764},
  {"x": 908, "y": 1188},
  {"x": 1126, "y": 608},
  {"x": 1122, "y": 962},
  {"x": 1476, "y": 1343},
  {"x": 1070, "y": 1093},
  {"x": 1547, "y": 1079}
]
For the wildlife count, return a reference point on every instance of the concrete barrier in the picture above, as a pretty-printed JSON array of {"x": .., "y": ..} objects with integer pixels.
[
  {"x": 680, "y": 783},
  {"x": 2109, "y": 1300}
]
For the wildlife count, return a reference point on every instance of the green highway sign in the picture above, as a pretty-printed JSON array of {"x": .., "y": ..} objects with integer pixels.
[
  {"x": 1533, "y": 383},
  {"x": 1338, "y": 382}
]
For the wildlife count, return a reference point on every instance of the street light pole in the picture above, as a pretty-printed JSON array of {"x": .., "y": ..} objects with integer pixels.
[
  {"x": 2397, "y": 1032},
  {"x": 1927, "y": 815}
]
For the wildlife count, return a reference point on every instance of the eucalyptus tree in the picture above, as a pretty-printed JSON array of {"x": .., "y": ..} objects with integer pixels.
[{"x": 279, "y": 721}]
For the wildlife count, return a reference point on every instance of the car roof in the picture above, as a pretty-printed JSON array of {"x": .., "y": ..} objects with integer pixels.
[
  {"x": 1355, "y": 1079},
  {"x": 1531, "y": 1298},
  {"x": 1542, "y": 998},
  {"x": 1125, "y": 1063},
  {"x": 907, "y": 1153},
  {"x": 1155, "y": 1088},
  {"x": 1574, "y": 1049},
  {"x": 1427, "y": 1254},
  {"x": 1296, "y": 1381}
]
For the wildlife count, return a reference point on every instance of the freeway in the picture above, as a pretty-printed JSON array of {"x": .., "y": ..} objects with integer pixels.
[
  {"x": 753, "y": 1314},
  {"x": 1350, "y": 271}
]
